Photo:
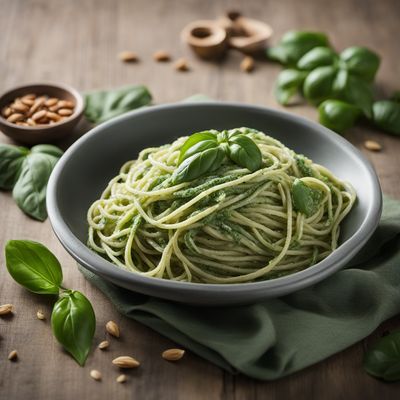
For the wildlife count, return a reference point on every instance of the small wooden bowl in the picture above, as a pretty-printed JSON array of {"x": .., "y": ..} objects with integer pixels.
[
  {"x": 247, "y": 35},
  {"x": 42, "y": 133},
  {"x": 207, "y": 38}
]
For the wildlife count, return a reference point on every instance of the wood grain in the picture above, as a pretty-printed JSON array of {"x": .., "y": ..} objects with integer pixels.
[{"x": 77, "y": 42}]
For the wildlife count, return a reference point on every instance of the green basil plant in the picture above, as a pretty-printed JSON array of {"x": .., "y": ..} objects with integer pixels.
[
  {"x": 35, "y": 268},
  {"x": 26, "y": 172},
  {"x": 340, "y": 85}
]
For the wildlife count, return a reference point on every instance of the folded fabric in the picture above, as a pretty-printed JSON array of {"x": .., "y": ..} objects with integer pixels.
[{"x": 277, "y": 337}]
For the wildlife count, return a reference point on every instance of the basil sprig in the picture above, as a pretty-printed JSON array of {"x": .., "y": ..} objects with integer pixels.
[
  {"x": 317, "y": 72},
  {"x": 305, "y": 199},
  {"x": 383, "y": 359},
  {"x": 294, "y": 44},
  {"x": 34, "y": 267},
  {"x": 205, "y": 152},
  {"x": 103, "y": 105},
  {"x": 338, "y": 115},
  {"x": 27, "y": 173},
  {"x": 387, "y": 114}
]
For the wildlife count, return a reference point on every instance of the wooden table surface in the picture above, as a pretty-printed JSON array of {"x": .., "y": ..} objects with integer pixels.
[{"x": 77, "y": 42}]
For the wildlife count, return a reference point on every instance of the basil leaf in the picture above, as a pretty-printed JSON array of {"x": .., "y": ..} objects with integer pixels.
[
  {"x": 294, "y": 44},
  {"x": 305, "y": 199},
  {"x": 338, "y": 115},
  {"x": 288, "y": 84},
  {"x": 192, "y": 140},
  {"x": 74, "y": 323},
  {"x": 106, "y": 104},
  {"x": 11, "y": 159},
  {"x": 244, "y": 152},
  {"x": 30, "y": 189},
  {"x": 318, "y": 86},
  {"x": 383, "y": 359},
  {"x": 386, "y": 115},
  {"x": 359, "y": 93},
  {"x": 361, "y": 62},
  {"x": 240, "y": 131},
  {"x": 47, "y": 149},
  {"x": 317, "y": 57},
  {"x": 33, "y": 266},
  {"x": 199, "y": 164}
]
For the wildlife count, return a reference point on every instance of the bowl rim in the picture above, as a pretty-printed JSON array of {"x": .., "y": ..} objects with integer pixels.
[
  {"x": 298, "y": 280},
  {"x": 78, "y": 110}
]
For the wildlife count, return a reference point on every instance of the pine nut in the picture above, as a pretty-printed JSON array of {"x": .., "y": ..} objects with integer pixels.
[
  {"x": 161, "y": 56},
  {"x": 103, "y": 345},
  {"x": 39, "y": 115},
  {"x": 128, "y": 56},
  {"x": 372, "y": 145},
  {"x": 112, "y": 328},
  {"x": 6, "y": 309},
  {"x": 65, "y": 112},
  {"x": 13, "y": 355},
  {"x": 181, "y": 65},
  {"x": 173, "y": 354},
  {"x": 126, "y": 362},
  {"x": 96, "y": 375},
  {"x": 247, "y": 64},
  {"x": 15, "y": 117},
  {"x": 121, "y": 378}
]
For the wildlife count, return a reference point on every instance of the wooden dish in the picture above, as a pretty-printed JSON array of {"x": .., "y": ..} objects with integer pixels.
[
  {"x": 42, "y": 133},
  {"x": 207, "y": 38}
]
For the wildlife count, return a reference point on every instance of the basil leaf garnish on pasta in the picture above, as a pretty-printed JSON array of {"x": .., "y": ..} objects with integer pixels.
[
  {"x": 244, "y": 152},
  {"x": 305, "y": 199}
]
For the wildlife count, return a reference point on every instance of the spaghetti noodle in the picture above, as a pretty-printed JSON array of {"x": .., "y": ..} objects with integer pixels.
[{"x": 229, "y": 226}]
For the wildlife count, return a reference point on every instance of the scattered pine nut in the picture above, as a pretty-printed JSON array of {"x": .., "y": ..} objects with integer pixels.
[
  {"x": 112, "y": 328},
  {"x": 96, "y": 375},
  {"x": 372, "y": 145},
  {"x": 40, "y": 315},
  {"x": 181, "y": 65},
  {"x": 103, "y": 345},
  {"x": 6, "y": 309},
  {"x": 13, "y": 356},
  {"x": 121, "y": 378},
  {"x": 173, "y": 354},
  {"x": 126, "y": 362},
  {"x": 247, "y": 64},
  {"x": 128, "y": 56},
  {"x": 161, "y": 56}
]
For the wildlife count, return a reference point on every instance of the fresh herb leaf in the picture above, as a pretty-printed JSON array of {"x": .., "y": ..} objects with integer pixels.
[
  {"x": 103, "y": 105},
  {"x": 244, "y": 152},
  {"x": 11, "y": 160},
  {"x": 338, "y": 115},
  {"x": 386, "y": 115},
  {"x": 30, "y": 189},
  {"x": 383, "y": 359},
  {"x": 359, "y": 93},
  {"x": 361, "y": 62},
  {"x": 33, "y": 266},
  {"x": 305, "y": 199},
  {"x": 210, "y": 137},
  {"x": 294, "y": 44},
  {"x": 48, "y": 149},
  {"x": 74, "y": 323},
  {"x": 199, "y": 164},
  {"x": 318, "y": 86},
  {"x": 317, "y": 57},
  {"x": 289, "y": 83}
]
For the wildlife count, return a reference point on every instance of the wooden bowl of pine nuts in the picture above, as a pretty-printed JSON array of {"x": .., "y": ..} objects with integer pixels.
[{"x": 40, "y": 113}]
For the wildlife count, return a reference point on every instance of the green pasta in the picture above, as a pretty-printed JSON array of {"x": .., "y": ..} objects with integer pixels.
[{"x": 230, "y": 225}]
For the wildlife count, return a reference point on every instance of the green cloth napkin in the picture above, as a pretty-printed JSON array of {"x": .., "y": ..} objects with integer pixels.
[{"x": 277, "y": 337}]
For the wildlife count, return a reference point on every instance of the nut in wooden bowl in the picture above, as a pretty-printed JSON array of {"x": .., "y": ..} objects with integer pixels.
[{"x": 40, "y": 113}]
